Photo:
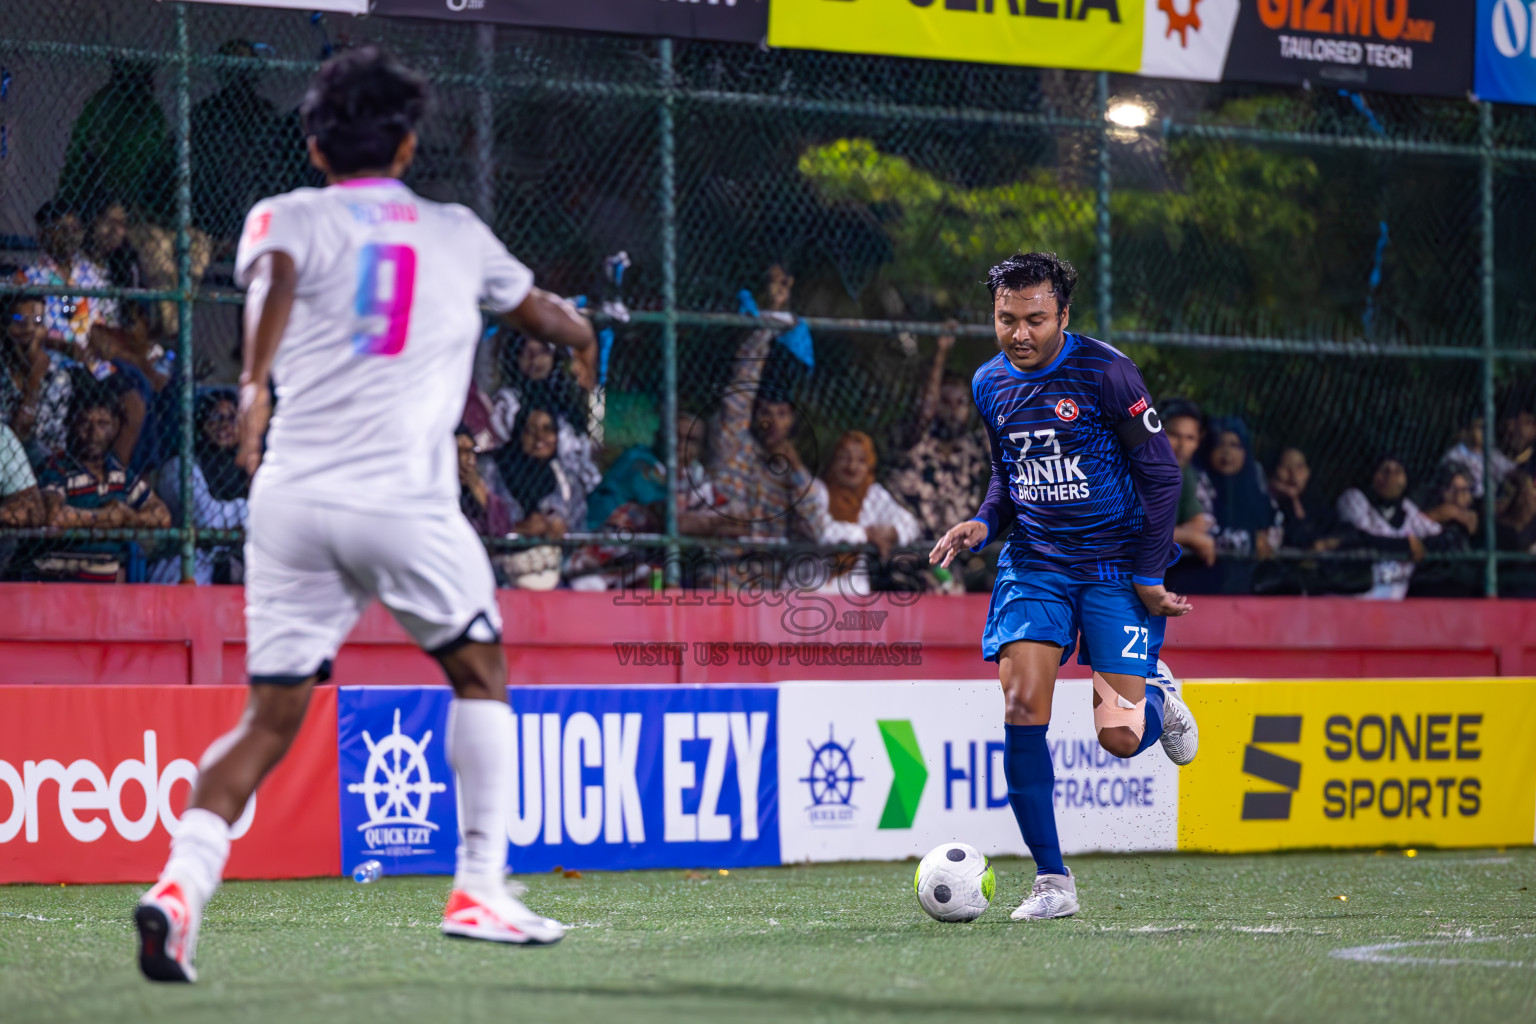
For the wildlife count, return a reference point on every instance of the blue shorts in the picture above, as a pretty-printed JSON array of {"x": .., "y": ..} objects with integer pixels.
[{"x": 1119, "y": 635}]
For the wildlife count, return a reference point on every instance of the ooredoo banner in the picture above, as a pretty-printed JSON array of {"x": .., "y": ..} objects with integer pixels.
[
  {"x": 1506, "y": 51},
  {"x": 1351, "y": 763},
  {"x": 1095, "y": 35},
  {"x": 93, "y": 780}
]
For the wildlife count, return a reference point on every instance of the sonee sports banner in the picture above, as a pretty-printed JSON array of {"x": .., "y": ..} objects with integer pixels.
[{"x": 93, "y": 779}]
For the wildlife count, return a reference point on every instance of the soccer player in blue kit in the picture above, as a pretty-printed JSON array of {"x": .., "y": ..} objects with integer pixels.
[{"x": 1087, "y": 481}]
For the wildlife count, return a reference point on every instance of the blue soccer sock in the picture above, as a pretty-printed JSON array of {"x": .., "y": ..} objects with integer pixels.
[
  {"x": 1031, "y": 792},
  {"x": 1154, "y": 729}
]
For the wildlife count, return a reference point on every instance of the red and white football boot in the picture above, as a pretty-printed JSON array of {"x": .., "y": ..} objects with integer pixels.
[
  {"x": 498, "y": 916},
  {"x": 168, "y": 921}
]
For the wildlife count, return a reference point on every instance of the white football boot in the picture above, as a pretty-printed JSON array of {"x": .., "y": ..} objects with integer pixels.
[
  {"x": 1181, "y": 737},
  {"x": 498, "y": 915},
  {"x": 1052, "y": 896},
  {"x": 168, "y": 920}
]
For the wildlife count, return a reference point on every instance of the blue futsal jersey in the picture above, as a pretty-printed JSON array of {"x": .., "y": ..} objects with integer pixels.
[{"x": 1081, "y": 469}]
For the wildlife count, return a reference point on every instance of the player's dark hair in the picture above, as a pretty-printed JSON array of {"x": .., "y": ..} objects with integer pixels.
[
  {"x": 359, "y": 108},
  {"x": 1026, "y": 268}
]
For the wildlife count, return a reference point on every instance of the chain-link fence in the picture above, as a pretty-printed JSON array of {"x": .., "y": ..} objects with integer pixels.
[{"x": 1338, "y": 274}]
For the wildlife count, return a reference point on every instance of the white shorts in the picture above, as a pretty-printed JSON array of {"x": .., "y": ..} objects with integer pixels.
[{"x": 311, "y": 570}]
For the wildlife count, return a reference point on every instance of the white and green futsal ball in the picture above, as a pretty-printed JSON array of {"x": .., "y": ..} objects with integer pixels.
[{"x": 954, "y": 883}]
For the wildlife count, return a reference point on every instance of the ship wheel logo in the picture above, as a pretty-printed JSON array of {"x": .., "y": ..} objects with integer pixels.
[
  {"x": 831, "y": 776},
  {"x": 1180, "y": 23},
  {"x": 397, "y": 785}
]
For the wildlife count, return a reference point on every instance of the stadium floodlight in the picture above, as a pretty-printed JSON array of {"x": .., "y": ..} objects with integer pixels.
[{"x": 1129, "y": 113}]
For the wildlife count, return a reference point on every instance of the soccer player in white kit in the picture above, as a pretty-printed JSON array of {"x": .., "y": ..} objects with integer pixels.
[{"x": 363, "y": 308}]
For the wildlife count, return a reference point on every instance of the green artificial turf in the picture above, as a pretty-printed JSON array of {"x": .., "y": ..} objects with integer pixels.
[{"x": 1159, "y": 938}]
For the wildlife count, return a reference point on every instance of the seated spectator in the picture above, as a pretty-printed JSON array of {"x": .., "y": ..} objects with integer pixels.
[
  {"x": 1450, "y": 504},
  {"x": 1247, "y": 521},
  {"x": 21, "y": 505},
  {"x": 220, "y": 491},
  {"x": 1517, "y": 435},
  {"x": 1305, "y": 517},
  {"x": 1466, "y": 456},
  {"x": 488, "y": 511},
  {"x": 757, "y": 470},
  {"x": 546, "y": 502},
  {"x": 1382, "y": 511},
  {"x": 943, "y": 464},
  {"x": 34, "y": 393},
  {"x": 67, "y": 319},
  {"x": 846, "y": 506},
  {"x": 88, "y": 488},
  {"x": 531, "y": 375},
  {"x": 633, "y": 493},
  {"x": 108, "y": 247}
]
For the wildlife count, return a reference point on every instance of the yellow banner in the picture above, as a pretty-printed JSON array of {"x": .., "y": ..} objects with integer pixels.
[
  {"x": 1094, "y": 35},
  {"x": 1362, "y": 763}
]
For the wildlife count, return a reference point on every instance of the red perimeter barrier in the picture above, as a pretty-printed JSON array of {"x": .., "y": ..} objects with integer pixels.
[{"x": 63, "y": 633}]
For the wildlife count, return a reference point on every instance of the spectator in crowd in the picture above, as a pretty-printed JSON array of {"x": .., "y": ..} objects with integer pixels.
[
  {"x": 87, "y": 487},
  {"x": 1247, "y": 521},
  {"x": 61, "y": 263},
  {"x": 120, "y": 143},
  {"x": 1383, "y": 511},
  {"x": 1450, "y": 505},
  {"x": 757, "y": 469},
  {"x": 34, "y": 393},
  {"x": 1305, "y": 517},
  {"x": 1518, "y": 437},
  {"x": 1516, "y": 525},
  {"x": 21, "y": 505},
  {"x": 234, "y": 140},
  {"x": 847, "y": 506},
  {"x": 488, "y": 510},
  {"x": 633, "y": 493},
  {"x": 943, "y": 464},
  {"x": 1466, "y": 455},
  {"x": 545, "y": 500},
  {"x": 531, "y": 375},
  {"x": 1196, "y": 525},
  {"x": 220, "y": 491},
  {"x": 107, "y": 245}
]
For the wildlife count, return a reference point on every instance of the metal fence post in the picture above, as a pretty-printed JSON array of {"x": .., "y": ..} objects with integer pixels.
[
  {"x": 1491, "y": 564},
  {"x": 184, "y": 285},
  {"x": 1106, "y": 266},
  {"x": 668, "y": 197},
  {"x": 485, "y": 125}
]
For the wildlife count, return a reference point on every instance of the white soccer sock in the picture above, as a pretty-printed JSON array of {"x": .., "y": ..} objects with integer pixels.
[
  {"x": 198, "y": 852},
  {"x": 480, "y": 751}
]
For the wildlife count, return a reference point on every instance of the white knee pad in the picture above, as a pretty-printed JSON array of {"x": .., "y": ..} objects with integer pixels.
[{"x": 1115, "y": 711}]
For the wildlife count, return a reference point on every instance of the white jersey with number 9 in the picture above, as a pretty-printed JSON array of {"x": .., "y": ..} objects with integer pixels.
[{"x": 374, "y": 367}]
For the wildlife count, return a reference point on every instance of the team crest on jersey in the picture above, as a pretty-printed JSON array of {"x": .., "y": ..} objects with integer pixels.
[
  {"x": 1066, "y": 409},
  {"x": 259, "y": 226}
]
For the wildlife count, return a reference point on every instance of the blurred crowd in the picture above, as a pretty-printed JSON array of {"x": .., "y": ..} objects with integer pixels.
[{"x": 90, "y": 425}]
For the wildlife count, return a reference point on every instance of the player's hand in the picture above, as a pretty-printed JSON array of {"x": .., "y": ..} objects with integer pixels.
[
  {"x": 960, "y": 538},
  {"x": 255, "y": 413},
  {"x": 1161, "y": 603}
]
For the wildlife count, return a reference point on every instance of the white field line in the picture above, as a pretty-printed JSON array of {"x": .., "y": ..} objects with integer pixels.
[{"x": 1384, "y": 953}]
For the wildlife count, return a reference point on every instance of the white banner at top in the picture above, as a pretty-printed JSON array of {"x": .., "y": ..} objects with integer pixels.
[{"x": 334, "y": 6}]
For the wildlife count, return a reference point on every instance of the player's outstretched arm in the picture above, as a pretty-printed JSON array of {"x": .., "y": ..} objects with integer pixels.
[
  {"x": 274, "y": 280},
  {"x": 961, "y": 537},
  {"x": 551, "y": 319}
]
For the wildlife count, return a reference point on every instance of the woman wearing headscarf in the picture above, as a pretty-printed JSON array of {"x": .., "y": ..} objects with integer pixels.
[
  {"x": 220, "y": 489},
  {"x": 847, "y": 506},
  {"x": 531, "y": 374},
  {"x": 1383, "y": 511},
  {"x": 1247, "y": 521},
  {"x": 545, "y": 501}
]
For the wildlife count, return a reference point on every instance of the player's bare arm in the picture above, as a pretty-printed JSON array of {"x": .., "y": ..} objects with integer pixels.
[
  {"x": 960, "y": 537},
  {"x": 268, "y": 304},
  {"x": 550, "y": 318}
]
